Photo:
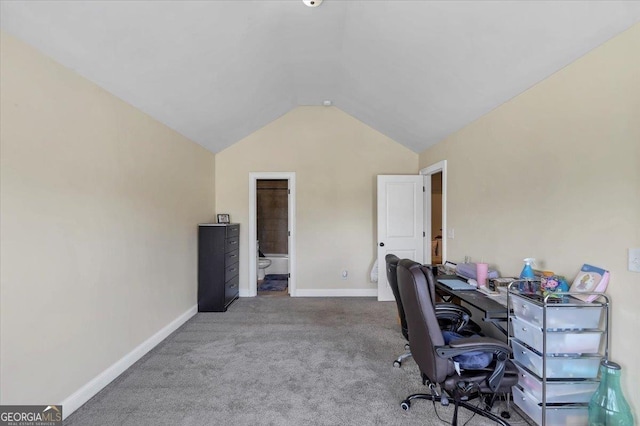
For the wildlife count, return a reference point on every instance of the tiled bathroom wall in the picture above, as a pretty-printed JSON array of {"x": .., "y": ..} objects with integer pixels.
[{"x": 272, "y": 216}]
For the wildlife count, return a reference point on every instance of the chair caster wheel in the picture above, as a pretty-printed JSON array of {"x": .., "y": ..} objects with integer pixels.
[
  {"x": 505, "y": 415},
  {"x": 405, "y": 405},
  {"x": 444, "y": 401},
  {"x": 397, "y": 364}
]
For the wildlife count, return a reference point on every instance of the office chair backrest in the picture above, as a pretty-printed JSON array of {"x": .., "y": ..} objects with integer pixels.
[
  {"x": 421, "y": 318},
  {"x": 392, "y": 266},
  {"x": 431, "y": 283}
]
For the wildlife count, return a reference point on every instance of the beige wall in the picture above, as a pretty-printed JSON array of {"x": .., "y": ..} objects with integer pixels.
[
  {"x": 555, "y": 174},
  {"x": 336, "y": 159},
  {"x": 99, "y": 206}
]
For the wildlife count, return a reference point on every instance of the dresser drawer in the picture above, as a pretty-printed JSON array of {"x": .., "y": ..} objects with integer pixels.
[
  {"x": 231, "y": 243},
  {"x": 233, "y": 231},
  {"x": 231, "y": 271},
  {"x": 231, "y": 289},
  {"x": 232, "y": 257}
]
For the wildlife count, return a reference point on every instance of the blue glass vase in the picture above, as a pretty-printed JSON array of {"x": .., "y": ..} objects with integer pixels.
[{"x": 608, "y": 407}]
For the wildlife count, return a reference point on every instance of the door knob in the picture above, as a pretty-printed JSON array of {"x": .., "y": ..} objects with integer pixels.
[{"x": 381, "y": 244}]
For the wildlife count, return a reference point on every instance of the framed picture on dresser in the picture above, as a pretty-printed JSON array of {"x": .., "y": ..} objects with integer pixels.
[{"x": 223, "y": 218}]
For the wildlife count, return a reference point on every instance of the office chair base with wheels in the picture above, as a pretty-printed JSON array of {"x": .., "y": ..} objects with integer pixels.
[
  {"x": 398, "y": 362},
  {"x": 461, "y": 398}
]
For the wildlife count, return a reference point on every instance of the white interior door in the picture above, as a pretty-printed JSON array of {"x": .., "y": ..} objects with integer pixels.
[{"x": 400, "y": 223}]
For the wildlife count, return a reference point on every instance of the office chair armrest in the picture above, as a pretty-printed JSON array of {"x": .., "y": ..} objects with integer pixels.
[
  {"x": 449, "y": 352},
  {"x": 485, "y": 344},
  {"x": 479, "y": 340}
]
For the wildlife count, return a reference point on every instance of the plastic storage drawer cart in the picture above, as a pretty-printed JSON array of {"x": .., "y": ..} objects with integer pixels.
[{"x": 557, "y": 347}]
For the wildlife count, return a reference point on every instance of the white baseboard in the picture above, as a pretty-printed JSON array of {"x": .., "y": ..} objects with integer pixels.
[
  {"x": 337, "y": 292},
  {"x": 86, "y": 392}
]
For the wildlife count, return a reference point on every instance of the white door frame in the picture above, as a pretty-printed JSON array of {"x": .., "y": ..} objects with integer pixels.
[
  {"x": 440, "y": 166},
  {"x": 253, "y": 231}
]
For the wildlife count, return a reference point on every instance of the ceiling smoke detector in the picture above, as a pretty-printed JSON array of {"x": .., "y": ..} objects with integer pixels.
[{"x": 312, "y": 3}]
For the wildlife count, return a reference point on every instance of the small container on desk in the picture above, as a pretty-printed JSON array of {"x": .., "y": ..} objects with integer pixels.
[{"x": 558, "y": 341}]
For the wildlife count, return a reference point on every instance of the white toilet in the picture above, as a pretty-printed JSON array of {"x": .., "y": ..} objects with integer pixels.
[{"x": 262, "y": 265}]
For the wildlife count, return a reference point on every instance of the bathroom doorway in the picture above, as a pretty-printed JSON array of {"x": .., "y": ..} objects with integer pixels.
[
  {"x": 271, "y": 234},
  {"x": 272, "y": 227}
]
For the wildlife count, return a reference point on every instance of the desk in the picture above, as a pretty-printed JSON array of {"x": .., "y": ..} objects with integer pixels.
[{"x": 490, "y": 310}]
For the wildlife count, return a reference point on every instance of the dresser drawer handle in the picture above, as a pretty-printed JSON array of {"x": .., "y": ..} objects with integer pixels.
[
  {"x": 234, "y": 255},
  {"x": 233, "y": 242},
  {"x": 232, "y": 269}
]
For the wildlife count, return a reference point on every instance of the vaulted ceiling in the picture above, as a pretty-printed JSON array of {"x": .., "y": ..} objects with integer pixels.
[{"x": 217, "y": 71}]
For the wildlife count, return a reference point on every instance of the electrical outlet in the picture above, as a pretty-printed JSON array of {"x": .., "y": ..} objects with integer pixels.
[
  {"x": 451, "y": 233},
  {"x": 634, "y": 260}
]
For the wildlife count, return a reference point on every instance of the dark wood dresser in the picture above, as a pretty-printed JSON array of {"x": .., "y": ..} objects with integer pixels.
[{"x": 218, "y": 267}]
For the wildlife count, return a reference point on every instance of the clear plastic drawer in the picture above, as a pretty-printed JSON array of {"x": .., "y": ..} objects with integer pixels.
[
  {"x": 558, "y": 367},
  {"x": 565, "y": 342},
  {"x": 569, "y": 415},
  {"x": 557, "y": 392},
  {"x": 559, "y": 316}
]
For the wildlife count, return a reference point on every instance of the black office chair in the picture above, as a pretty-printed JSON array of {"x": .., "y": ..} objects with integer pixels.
[
  {"x": 450, "y": 316},
  {"x": 436, "y": 360},
  {"x": 392, "y": 265}
]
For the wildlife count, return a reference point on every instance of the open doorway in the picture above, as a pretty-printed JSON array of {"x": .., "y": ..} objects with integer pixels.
[
  {"x": 435, "y": 212},
  {"x": 436, "y": 218},
  {"x": 272, "y": 234},
  {"x": 272, "y": 228}
]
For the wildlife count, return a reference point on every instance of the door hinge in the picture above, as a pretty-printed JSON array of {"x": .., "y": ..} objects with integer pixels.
[
  {"x": 289, "y": 233},
  {"x": 424, "y": 234},
  {"x": 289, "y": 191},
  {"x": 289, "y": 275},
  {"x": 424, "y": 189}
]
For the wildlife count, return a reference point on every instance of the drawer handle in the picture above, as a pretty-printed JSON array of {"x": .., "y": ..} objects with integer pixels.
[
  {"x": 233, "y": 242},
  {"x": 524, "y": 353},
  {"x": 524, "y": 328},
  {"x": 234, "y": 255},
  {"x": 232, "y": 269}
]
